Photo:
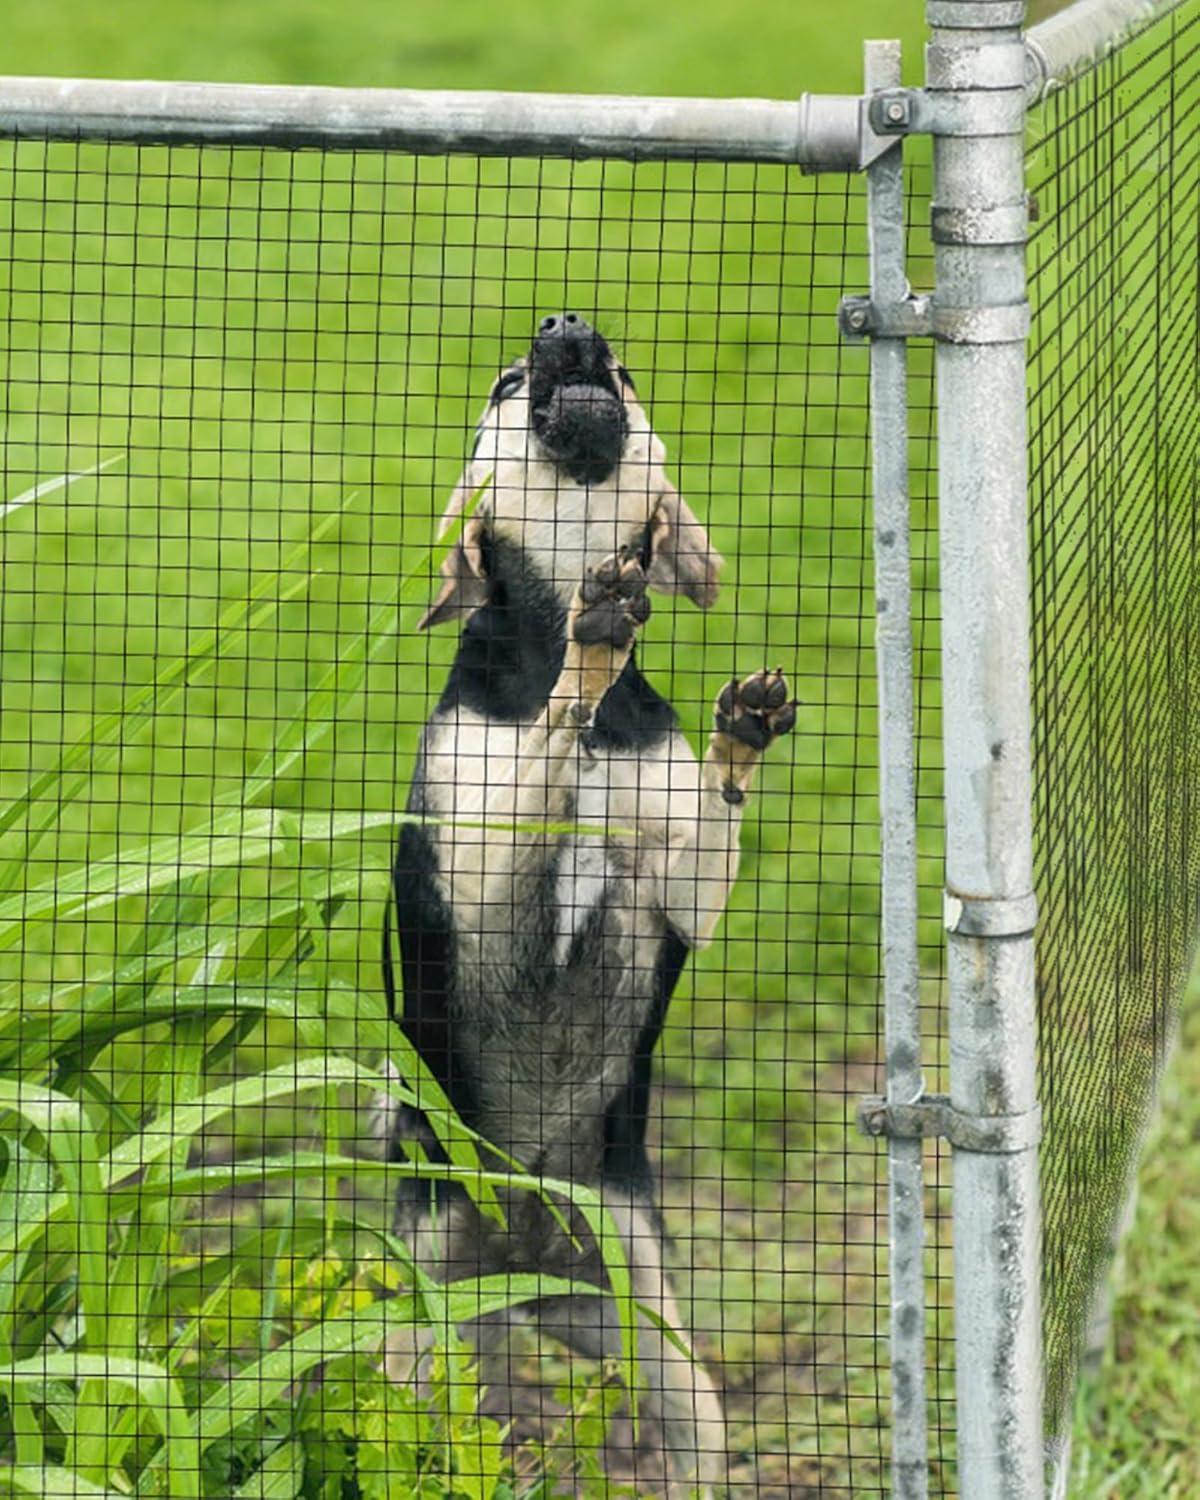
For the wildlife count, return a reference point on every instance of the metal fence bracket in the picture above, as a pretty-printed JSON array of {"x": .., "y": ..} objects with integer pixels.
[
  {"x": 922, "y": 316},
  {"x": 934, "y": 1116},
  {"x": 860, "y": 318},
  {"x": 900, "y": 112},
  {"x": 981, "y": 224}
]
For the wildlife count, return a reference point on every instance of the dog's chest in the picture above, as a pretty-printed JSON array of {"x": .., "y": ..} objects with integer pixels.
[{"x": 611, "y": 838}]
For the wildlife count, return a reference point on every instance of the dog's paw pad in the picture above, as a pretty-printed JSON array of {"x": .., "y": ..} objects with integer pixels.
[
  {"x": 612, "y": 602},
  {"x": 756, "y": 710}
]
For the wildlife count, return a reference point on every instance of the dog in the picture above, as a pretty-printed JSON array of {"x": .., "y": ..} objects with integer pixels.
[{"x": 575, "y": 851}]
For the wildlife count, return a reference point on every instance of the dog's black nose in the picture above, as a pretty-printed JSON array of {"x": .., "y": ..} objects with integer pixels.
[
  {"x": 569, "y": 329},
  {"x": 569, "y": 322},
  {"x": 576, "y": 410},
  {"x": 569, "y": 351}
]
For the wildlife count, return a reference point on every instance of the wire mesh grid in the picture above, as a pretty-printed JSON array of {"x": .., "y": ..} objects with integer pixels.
[
  {"x": 1115, "y": 430},
  {"x": 241, "y": 386}
]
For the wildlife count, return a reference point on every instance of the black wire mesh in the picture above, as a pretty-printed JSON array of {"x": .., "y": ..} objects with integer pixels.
[
  {"x": 928, "y": 766},
  {"x": 240, "y": 387},
  {"x": 1115, "y": 419}
]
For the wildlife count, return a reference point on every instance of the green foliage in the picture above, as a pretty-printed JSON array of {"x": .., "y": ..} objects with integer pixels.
[{"x": 201, "y": 1089}]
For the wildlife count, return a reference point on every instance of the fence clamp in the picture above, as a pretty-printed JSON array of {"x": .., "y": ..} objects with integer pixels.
[
  {"x": 923, "y": 316},
  {"x": 860, "y": 318},
  {"x": 897, "y": 111},
  {"x": 934, "y": 1115}
]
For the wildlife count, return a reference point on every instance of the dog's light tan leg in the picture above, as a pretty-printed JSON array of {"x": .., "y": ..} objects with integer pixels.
[
  {"x": 609, "y": 607},
  {"x": 681, "y": 1448},
  {"x": 749, "y": 714}
]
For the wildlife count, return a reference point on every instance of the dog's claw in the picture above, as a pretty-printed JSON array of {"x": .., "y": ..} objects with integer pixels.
[
  {"x": 756, "y": 710},
  {"x": 613, "y": 602}
]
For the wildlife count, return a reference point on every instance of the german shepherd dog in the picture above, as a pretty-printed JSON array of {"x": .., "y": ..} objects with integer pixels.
[{"x": 537, "y": 963}]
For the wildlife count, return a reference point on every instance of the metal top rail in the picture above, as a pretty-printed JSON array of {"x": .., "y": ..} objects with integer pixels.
[
  {"x": 1068, "y": 43},
  {"x": 818, "y": 132}
]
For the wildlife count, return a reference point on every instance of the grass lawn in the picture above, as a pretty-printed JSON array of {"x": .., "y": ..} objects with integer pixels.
[{"x": 1135, "y": 1423}]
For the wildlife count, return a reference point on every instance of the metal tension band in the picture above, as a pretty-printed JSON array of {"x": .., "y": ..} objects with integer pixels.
[
  {"x": 990, "y": 917},
  {"x": 924, "y": 316},
  {"x": 1006, "y": 324},
  {"x": 984, "y": 67},
  {"x": 934, "y": 1115},
  {"x": 970, "y": 15},
  {"x": 987, "y": 224}
]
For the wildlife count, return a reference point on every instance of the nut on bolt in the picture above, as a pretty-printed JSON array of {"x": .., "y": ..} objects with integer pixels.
[
  {"x": 872, "y": 1116},
  {"x": 854, "y": 316},
  {"x": 891, "y": 111}
]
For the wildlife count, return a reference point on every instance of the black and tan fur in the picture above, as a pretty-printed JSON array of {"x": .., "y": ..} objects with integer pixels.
[{"x": 537, "y": 966}]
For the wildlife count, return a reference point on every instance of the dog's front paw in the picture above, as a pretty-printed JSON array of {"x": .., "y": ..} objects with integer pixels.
[
  {"x": 756, "y": 710},
  {"x": 612, "y": 602}
]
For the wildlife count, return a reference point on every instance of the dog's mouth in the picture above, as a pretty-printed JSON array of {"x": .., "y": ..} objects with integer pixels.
[{"x": 577, "y": 414}]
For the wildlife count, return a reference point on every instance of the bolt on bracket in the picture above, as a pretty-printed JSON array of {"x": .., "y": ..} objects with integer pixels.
[
  {"x": 953, "y": 111},
  {"x": 891, "y": 111},
  {"x": 934, "y": 1116}
]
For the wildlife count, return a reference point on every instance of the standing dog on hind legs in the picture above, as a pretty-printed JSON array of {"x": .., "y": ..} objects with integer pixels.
[{"x": 537, "y": 964}]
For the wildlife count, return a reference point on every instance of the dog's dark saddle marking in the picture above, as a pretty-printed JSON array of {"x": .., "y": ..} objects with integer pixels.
[{"x": 509, "y": 657}]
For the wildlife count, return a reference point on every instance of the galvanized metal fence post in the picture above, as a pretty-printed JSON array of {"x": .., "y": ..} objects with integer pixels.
[
  {"x": 897, "y": 804},
  {"x": 975, "y": 66}
]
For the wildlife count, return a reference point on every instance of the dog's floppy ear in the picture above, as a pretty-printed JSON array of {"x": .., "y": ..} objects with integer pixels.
[
  {"x": 459, "y": 496},
  {"x": 464, "y": 586},
  {"x": 682, "y": 559}
]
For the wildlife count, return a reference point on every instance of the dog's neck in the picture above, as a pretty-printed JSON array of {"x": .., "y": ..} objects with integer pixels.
[
  {"x": 511, "y": 653},
  {"x": 561, "y": 526}
]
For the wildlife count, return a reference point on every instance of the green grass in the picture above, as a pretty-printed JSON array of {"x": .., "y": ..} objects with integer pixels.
[
  {"x": 1135, "y": 1419},
  {"x": 761, "y": 48},
  {"x": 249, "y": 407}
]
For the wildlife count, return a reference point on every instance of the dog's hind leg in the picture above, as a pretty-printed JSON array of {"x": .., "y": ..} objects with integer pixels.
[
  {"x": 681, "y": 1447},
  {"x": 444, "y": 1234},
  {"x": 749, "y": 715}
]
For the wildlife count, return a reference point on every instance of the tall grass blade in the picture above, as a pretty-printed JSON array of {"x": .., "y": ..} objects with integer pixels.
[
  {"x": 49, "y": 486},
  {"x": 328, "y": 703},
  {"x": 51, "y": 1482}
]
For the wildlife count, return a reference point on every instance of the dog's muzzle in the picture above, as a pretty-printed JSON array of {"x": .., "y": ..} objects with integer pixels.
[{"x": 578, "y": 417}]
